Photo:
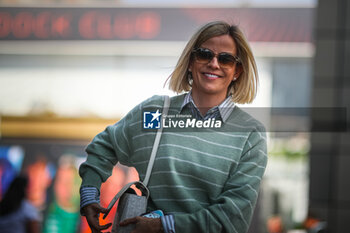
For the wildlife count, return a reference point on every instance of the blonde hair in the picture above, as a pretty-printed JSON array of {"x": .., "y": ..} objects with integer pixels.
[{"x": 244, "y": 89}]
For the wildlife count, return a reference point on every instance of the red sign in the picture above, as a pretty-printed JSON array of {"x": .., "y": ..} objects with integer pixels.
[
  {"x": 92, "y": 24},
  {"x": 43, "y": 25},
  {"x": 95, "y": 24},
  {"x": 259, "y": 24}
]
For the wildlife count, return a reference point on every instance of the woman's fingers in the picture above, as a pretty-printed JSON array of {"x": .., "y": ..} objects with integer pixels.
[
  {"x": 102, "y": 210},
  {"x": 92, "y": 221},
  {"x": 92, "y": 213},
  {"x": 104, "y": 227},
  {"x": 96, "y": 227}
]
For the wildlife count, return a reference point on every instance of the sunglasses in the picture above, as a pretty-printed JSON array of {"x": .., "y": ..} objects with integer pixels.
[{"x": 204, "y": 56}]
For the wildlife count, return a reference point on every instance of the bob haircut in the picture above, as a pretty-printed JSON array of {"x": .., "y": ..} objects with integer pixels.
[{"x": 244, "y": 89}]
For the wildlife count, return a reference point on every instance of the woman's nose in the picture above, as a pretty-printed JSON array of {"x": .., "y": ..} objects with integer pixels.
[{"x": 214, "y": 63}]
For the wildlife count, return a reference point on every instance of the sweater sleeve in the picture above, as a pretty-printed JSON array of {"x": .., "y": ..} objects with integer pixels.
[
  {"x": 105, "y": 150},
  {"x": 232, "y": 210}
]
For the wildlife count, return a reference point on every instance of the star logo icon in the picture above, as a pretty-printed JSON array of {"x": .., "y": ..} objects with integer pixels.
[{"x": 156, "y": 115}]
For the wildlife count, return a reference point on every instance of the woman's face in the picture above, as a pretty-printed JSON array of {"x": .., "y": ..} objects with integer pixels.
[{"x": 212, "y": 78}]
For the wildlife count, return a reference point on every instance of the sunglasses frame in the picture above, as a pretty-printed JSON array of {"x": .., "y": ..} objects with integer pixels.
[{"x": 234, "y": 59}]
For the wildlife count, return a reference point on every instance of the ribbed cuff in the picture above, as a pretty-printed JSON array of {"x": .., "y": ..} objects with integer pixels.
[
  {"x": 168, "y": 223},
  {"x": 88, "y": 195}
]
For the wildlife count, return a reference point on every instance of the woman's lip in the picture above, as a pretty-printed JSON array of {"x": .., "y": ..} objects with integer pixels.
[{"x": 211, "y": 76}]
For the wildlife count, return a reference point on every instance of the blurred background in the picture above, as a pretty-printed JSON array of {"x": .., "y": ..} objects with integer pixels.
[{"x": 69, "y": 68}]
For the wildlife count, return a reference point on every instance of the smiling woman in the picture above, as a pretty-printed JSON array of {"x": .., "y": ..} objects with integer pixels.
[
  {"x": 205, "y": 178},
  {"x": 211, "y": 80},
  {"x": 223, "y": 38}
]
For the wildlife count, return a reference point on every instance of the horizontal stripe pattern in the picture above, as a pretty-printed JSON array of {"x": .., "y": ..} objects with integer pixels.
[
  {"x": 189, "y": 150},
  {"x": 89, "y": 195},
  {"x": 199, "y": 139},
  {"x": 187, "y": 176},
  {"x": 176, "y": 187},
  {"x": 194, "y": 170},
  {"x": 194, "y": 164}
]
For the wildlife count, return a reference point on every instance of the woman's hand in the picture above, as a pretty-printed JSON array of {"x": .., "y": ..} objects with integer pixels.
[
  {"x": 144, "y": 225},
  {"x": 92, "y": 213}
]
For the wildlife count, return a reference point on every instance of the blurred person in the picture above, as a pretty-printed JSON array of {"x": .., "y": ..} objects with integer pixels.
[
  {"x": 202, "y": 181},
  {"x": 17, "y": 215},
  {"x": 39, "y": 181},
  {"x": 63, "y": 212},
  {"x": 7, "y": 174}
]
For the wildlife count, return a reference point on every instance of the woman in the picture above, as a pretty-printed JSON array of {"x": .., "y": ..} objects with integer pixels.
[
  {"x": 16, "y": 214},
  {"x": 202, "y": 181}
]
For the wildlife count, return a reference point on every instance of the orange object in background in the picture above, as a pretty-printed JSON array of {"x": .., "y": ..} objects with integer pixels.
[
  {"x": 108, "y": 191},
  {"x": 311, "y": 222},
  {"x": 274, "y": 224}
]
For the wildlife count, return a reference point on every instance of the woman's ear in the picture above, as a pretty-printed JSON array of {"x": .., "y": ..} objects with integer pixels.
[{"x": 239, "y": 70}]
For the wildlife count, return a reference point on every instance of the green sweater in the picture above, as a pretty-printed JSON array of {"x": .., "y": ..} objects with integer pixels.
[{"x": 208, "y": 179}]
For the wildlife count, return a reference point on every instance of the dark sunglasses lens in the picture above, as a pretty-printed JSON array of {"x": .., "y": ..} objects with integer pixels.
[
  {"x": 203, "y": 55},
  {"x": 226, "y": 59}
]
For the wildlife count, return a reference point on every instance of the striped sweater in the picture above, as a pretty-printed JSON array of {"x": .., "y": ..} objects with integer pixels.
[{"x": 208, "y": 179}]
